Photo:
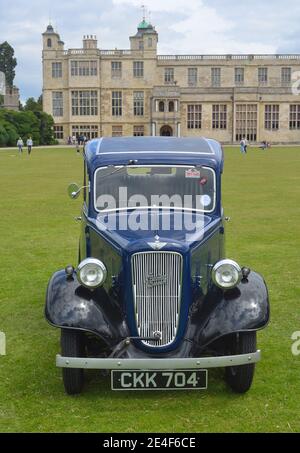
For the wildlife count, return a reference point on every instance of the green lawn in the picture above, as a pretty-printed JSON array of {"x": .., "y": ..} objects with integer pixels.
[{"x": 39, "y": 235}]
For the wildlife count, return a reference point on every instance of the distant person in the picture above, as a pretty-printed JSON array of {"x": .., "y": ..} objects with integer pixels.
[
  {"x": 74, "y": 139},
  {"x": 263, "y": 145},
  {"x": 29, "y": 144},
  {"x": 20, "y": 145},
  {"x": 69, "y": 140},
  {"x": 243, "y": 143}
]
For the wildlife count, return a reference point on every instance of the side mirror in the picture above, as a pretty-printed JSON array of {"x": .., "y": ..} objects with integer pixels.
[{"x": 74, "y": 191}]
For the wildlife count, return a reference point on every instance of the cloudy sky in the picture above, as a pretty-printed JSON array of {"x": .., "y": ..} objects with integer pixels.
[{"x": 184, "y": 26}]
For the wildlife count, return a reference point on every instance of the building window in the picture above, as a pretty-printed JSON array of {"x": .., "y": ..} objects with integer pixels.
[
  {"x": 58, "y": 132},
  {"x": 138, "y": 103},
  {"x": 262, "y": 76},
  {"x": 239, "y": 76},
  {"x": 83, "y": 68},
  {"x": 56, "y": 70},
  {"x": 49, "y": 42},
  {"x": 84, "y": 103},
  {"x": 88, "y": 130},
  {"x": 246, "y": 122},
  {"x": 286, "y": 76},
  {"x": 138, "y": 69},
  {"x": 161, "y": 106},
  {"x": 272, "y": 117},
  {"x": 150, "y": 42},
  {"x": 192, "y": 76},
  {"x": 117, "y": 131},
  {"x": 93, "y": 68},
  {"x": 295, "y": 116},
  {"x": 216, "y": 77},
  {"x": 116, "y": 103},
  {"x": 171, "y": 106},
  {"x": 116, "y": 69},
  {"x": 138, "y": 131},
  {"x": 194, "y": 116},
  {"x": 57, "y": 103},
  {"x": 141, "y": 45},
  {"x": 169, "y": 75},
  {"x": 219, "y": 116}
]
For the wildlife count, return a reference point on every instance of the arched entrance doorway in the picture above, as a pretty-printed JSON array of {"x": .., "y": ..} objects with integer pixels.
[{"x": 166, "y": 131}]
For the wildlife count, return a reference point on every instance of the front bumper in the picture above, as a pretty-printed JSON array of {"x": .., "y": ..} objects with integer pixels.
[{"x": 157, "y": 364}]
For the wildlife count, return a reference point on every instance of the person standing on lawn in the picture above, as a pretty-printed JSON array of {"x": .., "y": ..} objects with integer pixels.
[
  {"x": 243, "y": 143},
  {"x": 20, "y": 145},
  {"x": 29, "y": 144}
]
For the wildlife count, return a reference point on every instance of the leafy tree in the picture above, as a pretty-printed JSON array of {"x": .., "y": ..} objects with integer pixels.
[
  {"x": 8, "y": 62},
  {"x": 38, "y": 125},
  {"x": 33, "y": 106},
  {"x": 12, "y": 134},
  {"x": 3, "y": 135},
  {"x": 46, "y": 128}
]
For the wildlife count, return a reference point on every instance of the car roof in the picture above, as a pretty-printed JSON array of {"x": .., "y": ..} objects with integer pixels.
[{"x": 153, "y": 150}]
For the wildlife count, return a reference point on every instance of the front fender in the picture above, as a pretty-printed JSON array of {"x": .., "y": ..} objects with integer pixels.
[
  {"x": 69, "y": 305},
  {"x": 244, "y": 308}
]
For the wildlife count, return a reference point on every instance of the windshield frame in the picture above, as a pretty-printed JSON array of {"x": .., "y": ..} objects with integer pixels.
[{"x": 115, "y": 168}]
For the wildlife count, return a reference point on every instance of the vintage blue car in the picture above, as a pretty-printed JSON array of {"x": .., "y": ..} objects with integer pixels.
[{"x": 153, "y": 300}]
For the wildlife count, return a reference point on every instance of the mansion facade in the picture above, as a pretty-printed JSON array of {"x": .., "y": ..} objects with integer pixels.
[{"x": 134, "y": 92}]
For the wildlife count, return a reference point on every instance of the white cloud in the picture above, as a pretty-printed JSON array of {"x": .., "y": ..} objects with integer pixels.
[
  {"x": 198, "y": 29},
  {"x": 184, "y": 26}
]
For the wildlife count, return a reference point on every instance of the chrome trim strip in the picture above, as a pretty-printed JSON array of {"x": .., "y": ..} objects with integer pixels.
[
  {"x": 157, "y": 307},
  {"x": 158, "y": 364},
  {"x": 192, "y": 153}
]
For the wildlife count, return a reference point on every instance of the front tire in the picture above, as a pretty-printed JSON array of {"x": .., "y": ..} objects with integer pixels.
[
  {"x": 72, "y": 345},
  {"x": 240, "y": 378}
]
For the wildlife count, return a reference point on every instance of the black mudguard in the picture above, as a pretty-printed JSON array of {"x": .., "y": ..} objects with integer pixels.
[
  {"x": 69, "y": 305},
  {"x": 245, "y": 308}
]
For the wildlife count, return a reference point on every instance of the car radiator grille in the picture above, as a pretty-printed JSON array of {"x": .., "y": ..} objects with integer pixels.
[{"x": 156, "y": 278}]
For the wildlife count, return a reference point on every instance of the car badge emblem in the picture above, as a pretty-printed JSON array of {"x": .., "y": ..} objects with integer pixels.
[
  {"x": 156, "y": 280},
  {"x": 157, "y": 245}
]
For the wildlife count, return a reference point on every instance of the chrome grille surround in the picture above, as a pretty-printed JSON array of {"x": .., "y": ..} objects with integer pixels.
[{"x": 157, "y": 286}]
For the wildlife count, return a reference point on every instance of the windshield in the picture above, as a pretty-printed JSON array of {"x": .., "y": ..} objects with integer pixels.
[{"x": 177, "y": 187}]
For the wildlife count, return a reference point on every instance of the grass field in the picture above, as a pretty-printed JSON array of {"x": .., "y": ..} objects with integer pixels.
[{"x": 38, "y": 235}]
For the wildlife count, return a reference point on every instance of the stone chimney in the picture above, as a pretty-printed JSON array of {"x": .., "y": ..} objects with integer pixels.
[{"x": 90, "y": 42}]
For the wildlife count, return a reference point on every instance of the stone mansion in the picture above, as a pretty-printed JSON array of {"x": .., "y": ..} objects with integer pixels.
[{"x": 135, "y": 92}]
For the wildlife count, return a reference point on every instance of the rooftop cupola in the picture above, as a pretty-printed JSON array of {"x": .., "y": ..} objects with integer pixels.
[
  {"x": 146, "y": 37},
  {"x": 51, "y": 39}
]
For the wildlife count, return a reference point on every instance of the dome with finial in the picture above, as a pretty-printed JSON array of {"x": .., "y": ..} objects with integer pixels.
[
  {"x": 144, "y": 24},
  {"x": 50, "y": 29}
]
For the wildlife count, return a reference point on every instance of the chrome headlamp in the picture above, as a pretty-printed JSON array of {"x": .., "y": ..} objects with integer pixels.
[
  {"x": 226, "y": 274},
  {"x": 91, "y": 273}
]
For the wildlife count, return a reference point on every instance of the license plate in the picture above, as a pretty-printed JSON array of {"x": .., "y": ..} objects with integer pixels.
[{"x": 159, "y": 380}]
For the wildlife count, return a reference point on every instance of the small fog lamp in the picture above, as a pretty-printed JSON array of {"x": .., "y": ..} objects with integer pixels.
[
  {"x": 69, "y": 269},
  {"x": 245, "y": 272}
]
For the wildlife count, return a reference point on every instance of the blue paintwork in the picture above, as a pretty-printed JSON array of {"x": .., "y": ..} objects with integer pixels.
[{"x": 205, "y": 312}]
